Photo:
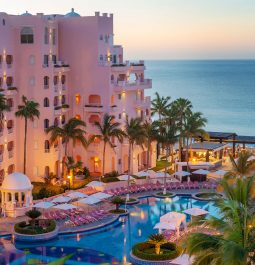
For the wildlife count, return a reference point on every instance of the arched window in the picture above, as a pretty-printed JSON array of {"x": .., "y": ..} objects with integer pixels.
[
  {"x": 55, "y": 80},
  {"x": 94, "y": 118},
  {"x": 101, "y": 58},
  {"x": 1, "y": 82},
  {"x": 56, "y": 122},
  {"x": 9, "y": 102},
  {"x": 77, "y": 116},
  {"x": 26, "y": 35},
  {"x": 47, "y": 146},
  {"x": 10, "y": 169},
  {"x": 10, "y": 146},
  {"x": 112, "y": 78},
  {"x": 46, "y": 171},
  {"x": 55, "y": 101},
  {"x": 46, "y": 124},
  {"x": 9, "y": 59},
  {"x": 46, "y": 102},
  {"x": 46, "y": 82},
  {"x": 46, "y": 35},
  {"x": 1, "y": 175},
  {"x": 63, "y": 99},
  {"x": 63, "y": 79},
  {"x": 63, "y": 119},
  {"x": 77, "y": 98},
  {"x": 10, "y": 126}
]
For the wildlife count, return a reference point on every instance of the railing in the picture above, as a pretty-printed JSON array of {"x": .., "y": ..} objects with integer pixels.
[{"x": 144, "y": 82}]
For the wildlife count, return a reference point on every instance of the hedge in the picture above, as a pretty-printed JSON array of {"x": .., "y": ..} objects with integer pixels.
[
  {"x": 139, "y": 249},
  {"x": 23, "y": 228}
]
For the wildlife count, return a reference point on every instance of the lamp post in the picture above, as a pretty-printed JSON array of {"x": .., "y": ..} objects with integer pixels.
[{"x": 69, "y": 181}]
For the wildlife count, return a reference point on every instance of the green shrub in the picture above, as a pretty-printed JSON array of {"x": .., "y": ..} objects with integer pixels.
[
  {"x": 86, "y": 172},
  {"x": 117, "y": 201},
  {"x": 146, "y": 251},
  {"x": 27, "y": 229},
  {"x": 112, "y": 174},
  {"x": 110, "y": 179}
]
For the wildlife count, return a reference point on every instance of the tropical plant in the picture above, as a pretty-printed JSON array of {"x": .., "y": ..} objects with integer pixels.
[
  {"x": 193, "y": 128},
  {"x": 108, "y": 130},
  {"x": 181, "y": 108},
  {"x": 71, "y": 131},
  {"x": 29, "y": 111},
  {"x": 33, "y": 214},
  {"x": 3, "y": 107},
  {"x": 158, "y": 240},
  {"x": 73, "y": 166},
  {"x": 160, "y": 105},
  {"x": 151, "y": 135},
  {"x": 242, "y": 166},
  {"x": 135, "y": 135},
  {"x": 117, "y": 201},
  {"x": 233, "y": 242},
  {"x": 48, "y": 178}
]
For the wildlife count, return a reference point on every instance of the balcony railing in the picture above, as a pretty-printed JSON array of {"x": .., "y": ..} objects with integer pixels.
[{"x": 143, "y": 84}]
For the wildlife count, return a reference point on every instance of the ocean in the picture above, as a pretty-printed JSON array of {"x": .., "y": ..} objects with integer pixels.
[{"x": 224, "y": 91}]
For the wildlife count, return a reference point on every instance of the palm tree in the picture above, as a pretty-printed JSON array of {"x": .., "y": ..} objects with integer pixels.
[
  {"x": 193, "y": 128},
  {"x": 3, "y": 107},
  {"x": 242, "y": 166},
  {"x": 29, "y": 111},
  {"x": 160, "y": 105},
  {"x": 71, "y": 131},
  {"x": 108, "y": 129},
  {"x": 151, "y": 135},
  {"x": 135, "y": 135},
  {"x": 168, "y": 138},
  {"x": 158, "y": 240},
  {"x": 182, "y": 108},
  {"x": 234, "y": 241}
]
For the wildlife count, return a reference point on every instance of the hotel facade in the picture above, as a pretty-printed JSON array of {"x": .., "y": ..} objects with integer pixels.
[{"x": 71, "y": 67}]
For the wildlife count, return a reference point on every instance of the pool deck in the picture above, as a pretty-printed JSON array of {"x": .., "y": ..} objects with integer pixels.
[{"x": 7, "y": 223}]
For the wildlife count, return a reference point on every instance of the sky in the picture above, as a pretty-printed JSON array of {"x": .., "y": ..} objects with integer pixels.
[{"x": 166, "y": 29}]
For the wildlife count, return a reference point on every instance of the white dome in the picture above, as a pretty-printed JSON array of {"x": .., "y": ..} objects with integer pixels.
[{"x": 16, "y": 181}]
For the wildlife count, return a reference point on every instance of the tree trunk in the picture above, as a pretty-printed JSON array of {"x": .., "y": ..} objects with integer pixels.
[
  {"x": 180, "y": 149},
  {"x": 129, "y": 168},
  {"x": 103, "y": 160},
  {"x": 187, "y": 155},
  {"x": 25, "y": 147},
  {"x": 65, "y": 160},
  {"x": 157, "y": 249},
  {"x": 148, "y": 155},
  {"x": 164, "y": 191}
]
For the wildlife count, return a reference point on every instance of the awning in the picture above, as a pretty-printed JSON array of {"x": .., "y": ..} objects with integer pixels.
[
  {"x": 181, "y": 173},
  {"x": 172, "y": 217},
  {"x": 64, "y": 206},
  {"x": 161, "y": 175},
  {"x": 61, "y": 199},
  {"x": 100, "y": 196},
  {"x": 43, "y": 205},
  {"x": 125, "y": 177},
  {"x": 201, "y": 172},
  {"x": 165, "y": 226},
  {"x": 90, "y": 201},
  {"x": 76, "y": 195},
  {"x": 95, "y": 184},
  {"x": 195, "y": 211}
]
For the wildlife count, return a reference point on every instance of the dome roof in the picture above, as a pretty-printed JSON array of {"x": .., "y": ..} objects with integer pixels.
[
  {"x": 72, "y": 14},
  {"x": 16, "y": 181},
  {"x": 26, "y": 14}
]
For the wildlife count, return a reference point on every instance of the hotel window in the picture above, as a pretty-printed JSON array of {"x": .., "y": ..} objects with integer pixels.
[
  {"x": 63, "y": 99},
  {"x": 54, "y": 59},
  {"x": 26, "y": 35},
  {"x": 63, "y": 119},
  {"x": 1, "y": 82},
  {"x": 55, "y": 101},
  {"x": 46, "y": 146},
  {"x": 119, "y": 96},
  {"x": 120, "y": 116},
  {"x": 55, "y": 80},
  {"x": 9, "y": 60},
  {"x": 46, "y": 82},
  {"x": 46, "y": 124},
  {"x": 54, "y": 36},
  {"x": 3, "y": 22},
  {"x": 78, "y": 99},
  {"x": 101, "y": 37},
  {"x": 46, "y": 36},
  {"x": 101, "y": 58},
  {"x": 46, "y": 102},
  {"x": 1, "y": 60},
  {"x": 63, "y": 79},
  {"x": 46, "y": 59},
  {"x": 9, "y": 81}
]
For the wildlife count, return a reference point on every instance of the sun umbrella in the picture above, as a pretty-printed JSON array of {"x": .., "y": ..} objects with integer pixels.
[
  {"x": 76, "y": 195},
  {"x": 64, "y": 206},
  {"x": 100, "y": 196},
  {"x": 61, "y": 199},
  {"x": 161, "y": 175},
  {"x": 44, "y": 205},
  {"x": 201, "y": 172},
  {"x": 125, "y": 177},
  {"x": 90, "y": 201},
  {"x": 195, "y": 211},
  {"x": 164, "y": 225},
  {"x": 143, "y": 174},
  {"x": 181, "y": 173},
  {"x": 95, "y": 184}
]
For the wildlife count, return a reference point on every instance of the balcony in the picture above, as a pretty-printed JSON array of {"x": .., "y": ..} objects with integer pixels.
[
  {"x": 61, "y": 109},
  {"x": 61, "y": 66},
  {"x": 93, "y": 108},
  {"x": 10, "y": 91},
  {"x": 137, "y": 66},
  {"x": 126, "y": 85},
  {"x": 143, "y": 104}
]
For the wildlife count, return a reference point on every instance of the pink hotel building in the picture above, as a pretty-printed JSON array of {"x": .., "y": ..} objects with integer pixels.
[{"x": 71, "y": 67}]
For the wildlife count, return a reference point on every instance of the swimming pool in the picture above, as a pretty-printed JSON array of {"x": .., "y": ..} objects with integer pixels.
[{"x": 109, "y": 245}]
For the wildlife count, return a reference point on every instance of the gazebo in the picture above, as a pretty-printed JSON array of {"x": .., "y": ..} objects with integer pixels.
[{"x": 16, "y": 194}]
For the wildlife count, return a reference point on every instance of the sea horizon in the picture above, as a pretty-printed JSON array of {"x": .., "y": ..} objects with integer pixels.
[{"x": 221, "y": 89}]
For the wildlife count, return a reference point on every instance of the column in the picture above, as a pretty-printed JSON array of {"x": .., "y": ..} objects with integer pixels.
[
  {"x": 20, "y": 199},
  {"x": 13, "y": 197}
]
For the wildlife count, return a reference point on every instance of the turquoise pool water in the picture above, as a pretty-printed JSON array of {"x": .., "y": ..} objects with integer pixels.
[{"x": 110, "y": 245}]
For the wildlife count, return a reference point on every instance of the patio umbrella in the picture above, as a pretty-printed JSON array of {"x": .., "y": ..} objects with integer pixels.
[
  {"x": 165, "y": 226},
  {"x": 195, "y": 211},
  {"x": 161, "y": 175},
  {"x": 65, "y": 206},
  {"x": 201, "y": 172},
  {"x": 89, "y": 200},
  {"x": 182, "y": 260},
  {"x": 125, "y": 177},
  {"x": 143, "y": 174},
  {"x": 181, "y": 174},
  {"x": 98, "y": 185},
  {"x": 100, "y": 196},
  {"x": 61, "y": 199},
  {"x": 43, "y": 205},
  {"x": 76, "y": 195}
]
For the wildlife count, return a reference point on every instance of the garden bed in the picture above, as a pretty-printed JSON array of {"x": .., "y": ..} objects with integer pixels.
[{"x": 207, "y": 196}]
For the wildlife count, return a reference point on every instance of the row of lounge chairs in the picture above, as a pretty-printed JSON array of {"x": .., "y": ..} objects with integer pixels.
[{"x": 158, "y": 186}]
